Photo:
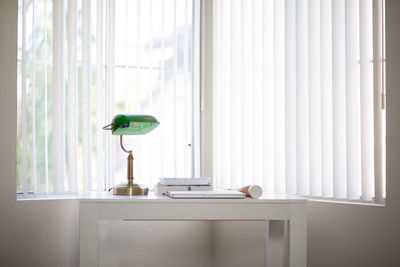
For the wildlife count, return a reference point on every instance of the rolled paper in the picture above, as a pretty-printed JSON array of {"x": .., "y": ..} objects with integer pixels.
[{"x": 253, "y": 191}]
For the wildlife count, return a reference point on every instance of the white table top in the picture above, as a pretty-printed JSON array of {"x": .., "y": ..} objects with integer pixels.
[{"x": 97, "y": 197}]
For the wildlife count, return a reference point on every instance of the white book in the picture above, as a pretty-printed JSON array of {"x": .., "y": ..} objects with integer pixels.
[
  {"x": 163, "y": 189},
  {"x": 185, "y": 181},
  {"x": 224, "y": 194}
]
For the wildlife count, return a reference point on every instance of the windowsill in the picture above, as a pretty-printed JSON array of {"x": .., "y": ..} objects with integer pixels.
[
  {"x": 71, "y": 196},
  {"x": 94, "y": 194},
  {"x": 346, "y": 202}
]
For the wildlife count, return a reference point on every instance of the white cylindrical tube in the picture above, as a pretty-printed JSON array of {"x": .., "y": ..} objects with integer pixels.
[{"x": 253, "y": 191}]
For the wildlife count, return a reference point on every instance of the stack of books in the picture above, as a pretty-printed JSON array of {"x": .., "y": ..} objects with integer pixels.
[{"x": 183, "y": 184}]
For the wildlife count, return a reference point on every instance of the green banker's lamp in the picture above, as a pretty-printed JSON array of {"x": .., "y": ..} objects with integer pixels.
[{"x": 131, "y": 124}]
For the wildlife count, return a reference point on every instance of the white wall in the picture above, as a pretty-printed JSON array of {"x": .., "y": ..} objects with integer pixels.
[
  {"x": 45, "y": 233},
  {"x": 35, "y": 233}
]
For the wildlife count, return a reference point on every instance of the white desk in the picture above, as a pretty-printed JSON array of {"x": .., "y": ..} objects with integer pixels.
[{"x": 105, "y": 206}]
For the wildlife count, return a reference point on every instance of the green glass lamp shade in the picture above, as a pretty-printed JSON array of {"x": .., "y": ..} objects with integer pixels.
[{"x": 133, "y": 124}]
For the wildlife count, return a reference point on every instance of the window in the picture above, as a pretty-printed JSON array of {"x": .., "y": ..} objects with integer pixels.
[
  {"x": 297, "y": 97},
  {"x": 298, "y": 93},
  {"x": 81, "y": 62}
]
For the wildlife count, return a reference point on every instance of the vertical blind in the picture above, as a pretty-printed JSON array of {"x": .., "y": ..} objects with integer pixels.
[
  {"x": 80, "y": 62},
  {"x": 298, "y": 86}
]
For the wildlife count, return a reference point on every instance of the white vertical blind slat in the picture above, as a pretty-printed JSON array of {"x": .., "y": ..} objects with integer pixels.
[
  {"x": 267, "y": 99},
  {"x": 114, "y": 142},
  {"x": 140, "y": 7},
  {"x": 109, "y": 143},
  {"x": 197, "y": 86},
  {"x": 86, "y": 96},
  {"x": 353, "y": 115},
  {"x": 247, "y": 93},
  {"x": 367, "y": 100},
  {"x": 279, "y": 95},
  {"x": 72, "y": 97},
  {"x": 378, "y": 91},
  {"x": 260, "y": 132},
  {"x": 152, "y": 155},
  {"x": 339, "y": 99},
  {"x": 235, "y": 90},
  {"x": 217, "y": 84},
  {"x": 111, "y": 67},
  {"x": 34, "y": 177},
  {"x": 46, "y": 141},
  {"x": 314, "y": 77},
  {"x": 290, "y": 95},
  {"x": 167, "y": 165},
  {"x": 226, "y": 94},
  {"x": 326, "y": 99},
  {"x": 100, "y": 122},
  {"x": 106, "y": 101},
  {"x": 24, "y": 125},
  {"x": 162, "y": 87},
  {"x": 151, "y": 49},
  {"x": 173, "y": 91},
  {"x": 126, "y": 74},
  {"x": 302, "y": 99},
  {"x": 186, "y": 93},
  {"x": 58, "y": 111},
  {"x": 179, "y": 135}
]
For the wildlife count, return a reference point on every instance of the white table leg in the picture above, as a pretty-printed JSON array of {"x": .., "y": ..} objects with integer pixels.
[
  {"x": 298, "y": 235},
  {"x": 267, "y": 245},
  {"x": 88, "y": 231}
]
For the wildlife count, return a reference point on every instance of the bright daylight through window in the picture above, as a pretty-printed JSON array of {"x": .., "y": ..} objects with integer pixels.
[
  {"x": 298, "y": 96},
  {"x": 80, "y": 62}
]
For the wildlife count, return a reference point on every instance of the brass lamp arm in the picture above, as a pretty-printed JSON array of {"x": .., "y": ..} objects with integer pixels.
[{"x": 122, "y": 146}]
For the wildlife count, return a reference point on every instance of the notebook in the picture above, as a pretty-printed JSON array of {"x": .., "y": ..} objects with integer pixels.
[
  {"x": 224, "y": 194},
  {"x": 185, "y": 181}
]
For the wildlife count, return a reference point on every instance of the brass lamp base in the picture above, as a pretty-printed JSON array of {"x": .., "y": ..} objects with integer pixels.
[{"x": 130, "y": 189}]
